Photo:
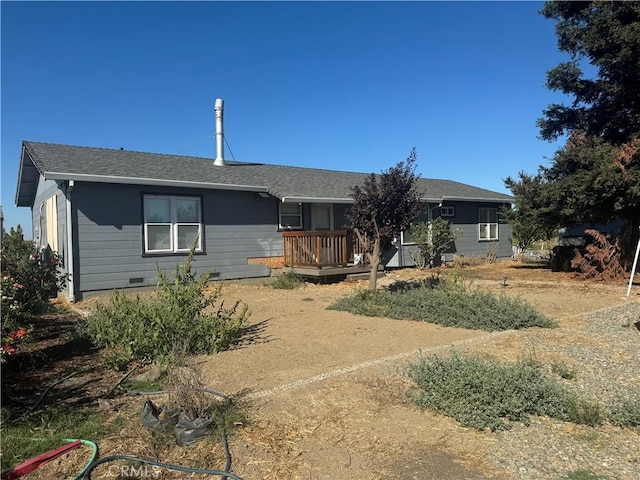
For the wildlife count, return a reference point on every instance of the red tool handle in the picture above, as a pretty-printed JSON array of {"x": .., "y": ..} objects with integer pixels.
[{"x": 36, "y": 462}]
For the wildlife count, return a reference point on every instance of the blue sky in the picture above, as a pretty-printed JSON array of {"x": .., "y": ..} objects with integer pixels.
[{"x": 338, "y": 85}]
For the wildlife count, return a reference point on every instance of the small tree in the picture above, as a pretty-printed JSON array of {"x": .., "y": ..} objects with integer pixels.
[
  {"x": 383, "y": 207},
  {"x": 526, "y": 225},
  {"x": 432, "y": 239}
]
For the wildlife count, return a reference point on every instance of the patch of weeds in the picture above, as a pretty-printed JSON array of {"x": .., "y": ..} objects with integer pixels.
[
  {"x": 584, "y": 412},
  {"x": 187, "y": 391},
  {"x": 187, "y": 395},
  {"x": 583, "y": 475},
  {"x": 626, "y": 413},
  {"x": 562, "y": 370},
  {"x": 488, "y": 395},
  {"x": 307, "y": 299},
  {"x": 46, "y": 430},
  {"x": 447, "y": 304},
  {"x": 589, "y": 438},
  {"x": 144, "y": 386},
  {"x": 287, "y": 281},
  {"x": 226, "y": 414}
]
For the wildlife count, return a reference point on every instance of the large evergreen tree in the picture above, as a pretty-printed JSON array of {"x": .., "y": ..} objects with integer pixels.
[
  {"x": 595, "y": 177},
  {"x": 606, "y": 105},
  {"x": 383, "y": 207}
]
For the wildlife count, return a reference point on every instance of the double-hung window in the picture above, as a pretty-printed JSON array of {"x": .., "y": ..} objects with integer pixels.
[
  {"x": 487, "y": 223},
  {"x": 172, "y": 224},
  {"x": 291, "y": 216}
]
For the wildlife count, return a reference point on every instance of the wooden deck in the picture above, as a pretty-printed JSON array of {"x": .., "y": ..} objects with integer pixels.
[
  {"x": 328, "y": 271},
  {"x": 323, "y": 254},
  {"x": 320, "y": 249}
]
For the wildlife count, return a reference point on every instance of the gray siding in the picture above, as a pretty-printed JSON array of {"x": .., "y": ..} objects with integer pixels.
[
  {"x": 108, "y": 234},
  {"x": 465, "y": 219},
  {"x": 108, "y": 217}
]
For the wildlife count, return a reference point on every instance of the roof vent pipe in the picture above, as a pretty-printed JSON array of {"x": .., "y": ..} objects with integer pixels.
[{"x": 219, "y": 107}]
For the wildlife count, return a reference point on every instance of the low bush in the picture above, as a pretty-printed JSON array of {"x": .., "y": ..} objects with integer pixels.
[
  {"x": 626, "y": 413},
  {"x": 287, "y": 281},
  {"x": 448, "y": 304},
  {"x": 185, "y": 314},
  {"x": 488, "y": 395},
  {"x": 582, "y": 475}
]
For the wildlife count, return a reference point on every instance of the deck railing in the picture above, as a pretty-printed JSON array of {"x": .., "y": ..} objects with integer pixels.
[{"x": 322, "y": 248}]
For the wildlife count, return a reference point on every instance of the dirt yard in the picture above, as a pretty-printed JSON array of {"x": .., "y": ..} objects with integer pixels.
[
  {"x": 324, "y": 392},
  {"x": 325, "y": 386}
]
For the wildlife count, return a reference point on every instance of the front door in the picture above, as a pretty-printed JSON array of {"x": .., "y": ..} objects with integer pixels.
[{"x": 321, "y": 217}]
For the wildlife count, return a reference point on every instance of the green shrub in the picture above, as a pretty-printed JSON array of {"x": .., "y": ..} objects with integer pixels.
[
  {"x": 487, "y": 395},
  {"x": 29, "y": 281},
  {"x": 182, "y": 314},
  {"x": 626, "y": 413},
  {"x": 447, "y": 304},
  {"x": 582, "y": 475},
  {"x": 287, "y": 281}
]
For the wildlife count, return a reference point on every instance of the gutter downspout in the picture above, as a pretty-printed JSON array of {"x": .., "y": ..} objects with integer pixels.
[{"x": 69, "y": 260}]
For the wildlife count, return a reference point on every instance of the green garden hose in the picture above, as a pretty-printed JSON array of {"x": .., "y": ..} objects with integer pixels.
[{"x": 94, "y": 455}]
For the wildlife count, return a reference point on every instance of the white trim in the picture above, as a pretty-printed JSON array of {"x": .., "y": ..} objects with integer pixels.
[
  {"x": 289, "y": 227},
  {"x": 483, "y": 222},
  {"x": 633, "y": 269},
  {"x": 489, "y": 238},
  {"x": 68, "y": 260},
  {"x": 173, "y": 224}
]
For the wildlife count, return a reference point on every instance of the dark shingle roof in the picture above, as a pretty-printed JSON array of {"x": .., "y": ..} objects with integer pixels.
[{"x": 64, "y": 162}]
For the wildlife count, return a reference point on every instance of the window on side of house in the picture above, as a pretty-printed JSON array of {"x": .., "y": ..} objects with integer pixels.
[
  {"x": 448, "y": 211},
  {"x": 406, "y": 237},
  {"x": 51, "y": 213},
  {"x": 487, "y": 223},
  {"x": 172, "y": 224},
  {"x": 291, "y": 216}
]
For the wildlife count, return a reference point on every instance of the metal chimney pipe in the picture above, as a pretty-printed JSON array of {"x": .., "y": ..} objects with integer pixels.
[{"x": 219, "y": 107}]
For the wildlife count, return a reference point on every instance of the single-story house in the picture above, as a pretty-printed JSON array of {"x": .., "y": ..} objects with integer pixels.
[{"x": 116, "y": 215}]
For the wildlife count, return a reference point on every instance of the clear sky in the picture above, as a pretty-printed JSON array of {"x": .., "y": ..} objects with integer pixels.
[{"x": 338, "y": 85}]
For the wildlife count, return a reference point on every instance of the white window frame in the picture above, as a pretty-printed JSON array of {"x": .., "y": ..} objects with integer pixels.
[
  {"x": 287, "y": 226},
  {"x": 486, "y": 224},
  {"x": 448, "y": 211},
  {"x": 174, "y": 225}
]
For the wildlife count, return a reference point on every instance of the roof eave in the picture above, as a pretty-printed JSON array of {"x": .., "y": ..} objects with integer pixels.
[
  {"x": 294, "y": 199},
  {"x": 26, "y": 196},
  {"x": 476, "y": 199},
  {"x": 81, "y": 177}
]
